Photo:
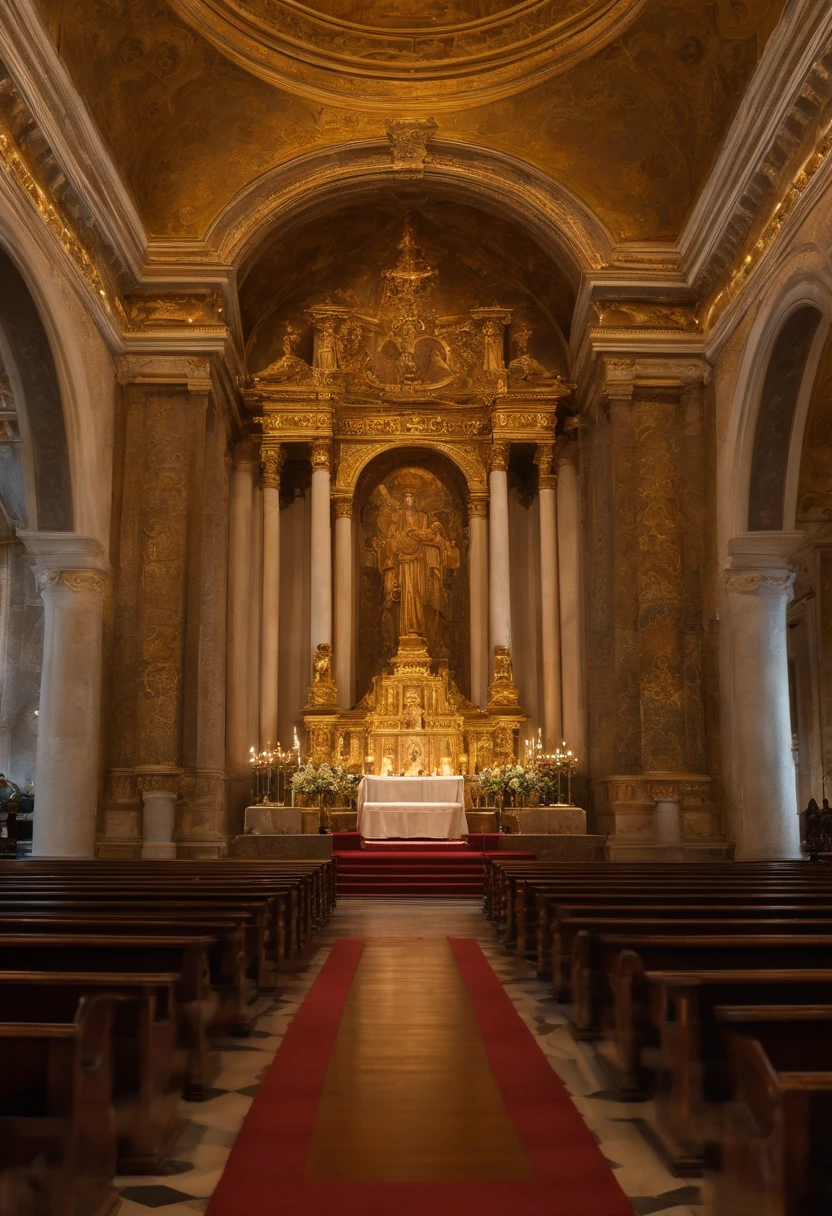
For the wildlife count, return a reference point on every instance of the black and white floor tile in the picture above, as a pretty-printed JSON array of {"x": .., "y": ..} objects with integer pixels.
[{"x": 210, "y": 1127}]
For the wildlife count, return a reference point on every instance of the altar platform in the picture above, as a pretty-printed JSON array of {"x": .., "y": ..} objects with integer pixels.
[{"x": 410, "y": 869}]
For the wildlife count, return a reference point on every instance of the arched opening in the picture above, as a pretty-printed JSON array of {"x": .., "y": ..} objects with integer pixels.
[
  {"x": 35, "y": 495},
  {"x": 810, "y": 614}
]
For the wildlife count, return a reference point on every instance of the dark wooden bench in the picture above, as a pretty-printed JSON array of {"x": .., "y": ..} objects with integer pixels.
[
  {"x": 146, "y": 1062},
  {"x": 57, "y": 1126}
]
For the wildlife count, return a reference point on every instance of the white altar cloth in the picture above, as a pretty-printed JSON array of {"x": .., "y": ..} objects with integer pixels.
[{"x": 428, "y": 807}]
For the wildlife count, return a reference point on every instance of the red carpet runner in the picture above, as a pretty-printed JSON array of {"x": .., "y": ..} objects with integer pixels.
[{"x": 266, "y": 1171}]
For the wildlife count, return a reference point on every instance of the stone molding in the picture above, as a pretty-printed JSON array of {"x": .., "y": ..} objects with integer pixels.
[
  {"x": 159, "y": 781},
  {"x": 748, "y": 582},
  {"x": 62, "y": 552}
]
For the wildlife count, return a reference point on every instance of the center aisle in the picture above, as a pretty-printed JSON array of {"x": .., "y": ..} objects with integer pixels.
[{"x": 408, "y": 1082}]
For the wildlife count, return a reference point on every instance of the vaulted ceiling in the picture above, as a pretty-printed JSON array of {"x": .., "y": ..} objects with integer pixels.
[{"x": 624, "y": 102}]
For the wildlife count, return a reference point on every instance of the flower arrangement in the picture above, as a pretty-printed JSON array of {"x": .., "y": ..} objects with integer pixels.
[
  {"x": 332, "y": 779},
  {"x": 509, "y": 781}
]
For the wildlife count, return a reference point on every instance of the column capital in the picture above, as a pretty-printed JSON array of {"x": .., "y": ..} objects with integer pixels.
[
  {"x": 272, "y": 460},
  {"x": 343, "y": 508},
  {"x": 544, "y": 458},
  {"x": 477, "y": 508},
  {"x": 321, "y": 454},
  {"x": 73, "y": 580},
  {"x": 500, "y": 452},
  {"x": 59, "y": 552},
  {"x": 244, "y": 455}
]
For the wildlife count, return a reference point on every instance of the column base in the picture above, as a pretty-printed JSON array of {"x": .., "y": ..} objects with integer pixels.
[{"x": 158, "y": 850}]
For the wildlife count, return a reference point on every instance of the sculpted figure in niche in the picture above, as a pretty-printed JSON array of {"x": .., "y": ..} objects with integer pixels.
[
  {"x": 412, "y": 718},
  {"x": 413, "y": 554}
]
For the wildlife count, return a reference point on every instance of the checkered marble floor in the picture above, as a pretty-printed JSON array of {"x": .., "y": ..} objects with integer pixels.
[{"x": 210, "y": 1127}]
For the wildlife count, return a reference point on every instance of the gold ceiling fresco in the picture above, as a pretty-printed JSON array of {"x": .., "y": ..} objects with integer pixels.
[{"x": 632, "y": 130}]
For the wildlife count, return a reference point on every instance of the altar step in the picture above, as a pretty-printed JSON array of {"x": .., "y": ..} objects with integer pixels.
[{"x": 423, "y": 873}]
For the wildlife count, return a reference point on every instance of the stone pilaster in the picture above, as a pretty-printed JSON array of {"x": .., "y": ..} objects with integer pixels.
[
  {"x": 645, "y": 596},
  {"x": 167, "y": 708}
]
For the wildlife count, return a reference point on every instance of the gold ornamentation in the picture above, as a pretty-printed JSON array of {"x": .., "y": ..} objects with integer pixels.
[
  {"x": 499, "y": 456},
  {"x": 272, "y": 460},
  {"x": 544, "y": 458},
  {"x": 746, "y": 266},
  {"x": 321, "y": 454},
  {"x": 13, "y": 161},
  {"x": 627, "y": 314},
  {"x": 175, "y": 310},
  {"x": 322, "y": 691},
  {"x": 477, "y": 508},
  {"x": 502, "y": 691},
  {"x": 409, "y": 139},
  {"x": 343, "y": 508}
]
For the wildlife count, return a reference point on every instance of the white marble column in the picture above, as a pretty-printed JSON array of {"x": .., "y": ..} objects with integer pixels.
[
  {"x": 71, "y": 573},
  {"x": 239, "y": 593},
  {"x": 758, "y": 588},
  {"x": 478, "y": 595},
  {"x": 255, "y": 605},
  {"x": 570, "y": 567},
  {"x": 271, "y": 465},
  {"x": 499, "y": 574},
  {"x": 343, "y": 600},
  {"x": 549, "y": 596},
  {"x": 321, "y": 542}
]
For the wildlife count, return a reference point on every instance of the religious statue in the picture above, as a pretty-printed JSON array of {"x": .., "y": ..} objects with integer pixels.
[
  {"x": 413, "y": 718},
  {"x": 413, "y": 555},
  {"x": 502, "y": 690},
  {"x": 290, "y": 366},
  {"x": 416, "y": 757},
  {"x": 322, "y": 690},
  {"x": 524, "y": 366}
]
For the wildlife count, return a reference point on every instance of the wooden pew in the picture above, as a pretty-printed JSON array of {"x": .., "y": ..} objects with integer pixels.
[
  {"x": 57, "y": 1125},
  {"x": 146, "y": 1063},
  {"x": 186, "y": 956},
  {"x": 609, "y": 970},
  {"x": 774, "y": 1137},
  {"x": 789, "y": 1009}
]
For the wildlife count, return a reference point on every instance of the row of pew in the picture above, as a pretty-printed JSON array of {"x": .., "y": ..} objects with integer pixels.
[
  {"x": 708, "y": 988},
  {"x": 116, "y": 978}
]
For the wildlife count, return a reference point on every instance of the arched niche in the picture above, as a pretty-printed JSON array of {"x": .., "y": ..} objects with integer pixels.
[
  {"x": 784, "y": 382},
  {"x": 34, "y": 388},
  {"x": 440, "y": 498}
]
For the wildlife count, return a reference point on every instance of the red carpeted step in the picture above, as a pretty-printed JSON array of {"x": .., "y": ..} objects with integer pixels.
[{"x": 414, "y": 871}]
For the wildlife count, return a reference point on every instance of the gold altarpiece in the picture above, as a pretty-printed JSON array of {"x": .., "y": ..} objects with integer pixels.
[{"x": 463, "y": 388}]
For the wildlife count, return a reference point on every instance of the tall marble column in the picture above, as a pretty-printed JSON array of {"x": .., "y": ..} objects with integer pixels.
[
  {"x": 478, "y": 595},
  {"x": 71, "y": 573},
  {"x": 758, "y": 588},
  {"x": 570, "y": 565},
  {"x": 344, "y": 599},
  {"x": 499, "y": 573},
  {"x": 271, "y": 464},
  {"x": 321, "y": 542},
  {"x": 239, "y": 593},
  {"x": 549, "y": 596}
]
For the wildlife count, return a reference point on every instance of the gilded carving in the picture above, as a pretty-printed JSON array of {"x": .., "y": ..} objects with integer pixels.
[
  {"x": 272, "y": 460},
  {"x": 502, "y": 691},
  {"x": 323, "y": 693},
  {"x": 628, "y": 314},
  {"x": 174, "y": 310},
  {"x": 499, "y": 456},
  {"x": 321, "y": 454},
  {"x": 409, "y": 141}
]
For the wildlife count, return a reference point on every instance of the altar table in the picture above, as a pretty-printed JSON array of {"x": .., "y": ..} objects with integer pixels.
[{"x": 408, "y": 807}]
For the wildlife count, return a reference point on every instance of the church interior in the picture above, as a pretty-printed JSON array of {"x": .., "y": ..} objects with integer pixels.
[{"x": 415, "y": 607}]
